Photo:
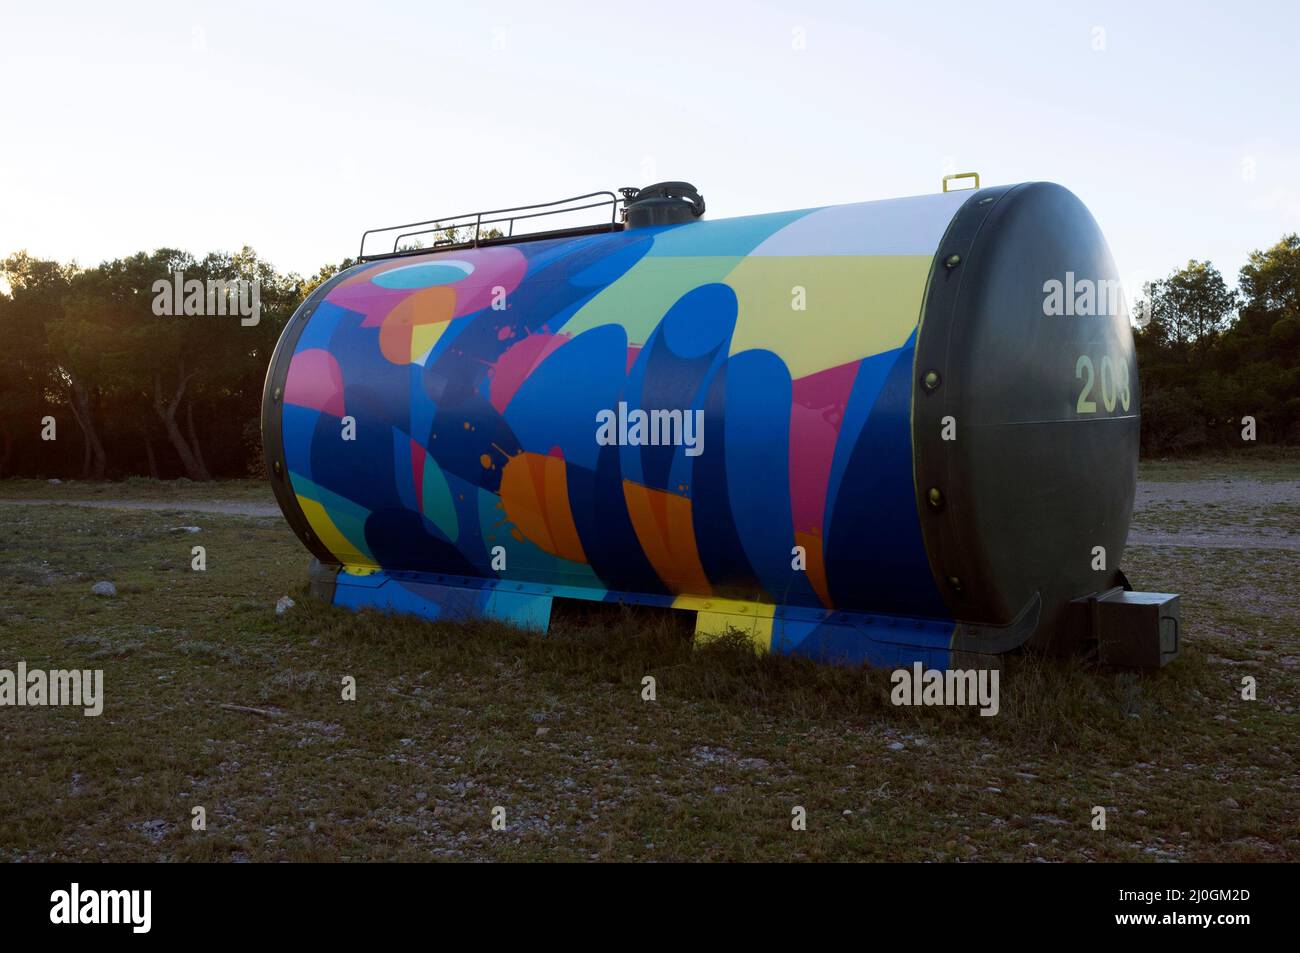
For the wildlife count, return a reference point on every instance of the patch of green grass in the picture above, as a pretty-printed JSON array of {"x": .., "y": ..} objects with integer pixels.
[
  {"x": 138, "y": 488},
  {"x": 451, "y": 721}
]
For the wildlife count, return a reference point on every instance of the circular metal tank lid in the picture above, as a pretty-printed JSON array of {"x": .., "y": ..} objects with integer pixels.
[{"x": 664, "y": 203}]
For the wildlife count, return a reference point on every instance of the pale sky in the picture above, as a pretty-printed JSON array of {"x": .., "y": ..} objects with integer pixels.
[{"x": 293, "y": 127}]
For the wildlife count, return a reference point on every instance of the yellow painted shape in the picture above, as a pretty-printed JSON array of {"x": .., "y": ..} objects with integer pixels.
[
  {"x": 640, "y": 298},
  {"x": 715, "y": 617},
  {"x": 421, "y": 317},
  {"x": 331, "y": 536},
  {"x": 856, "y": 306},
  {"x": 424, "y": 337}
]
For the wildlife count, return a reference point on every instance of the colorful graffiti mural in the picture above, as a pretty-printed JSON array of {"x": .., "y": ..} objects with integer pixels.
[{"x": 476, "y": 379}]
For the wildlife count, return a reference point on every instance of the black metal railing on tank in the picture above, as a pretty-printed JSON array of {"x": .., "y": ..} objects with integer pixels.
[{"x": 495, "y": 226}]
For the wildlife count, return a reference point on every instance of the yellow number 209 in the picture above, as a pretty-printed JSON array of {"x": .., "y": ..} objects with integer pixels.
[{"x": 1114, "y": 384}]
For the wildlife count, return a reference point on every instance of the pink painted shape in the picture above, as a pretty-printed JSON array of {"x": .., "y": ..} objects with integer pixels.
[
  {"x": 315, "y": 380},
  {"x": 370, "y": 300},
  {"x": 816, "y": 412},
  {"x": 498, "y": 267},
  {"x": 417, "y": 472},
  {"x": 519, "y": 360}
]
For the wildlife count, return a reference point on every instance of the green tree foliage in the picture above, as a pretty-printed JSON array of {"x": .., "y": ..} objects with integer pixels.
[
  {"x": 1190, "y": 308},
  {"x": 160, "y": 395},
  {"x": 1211, "y": 356}
]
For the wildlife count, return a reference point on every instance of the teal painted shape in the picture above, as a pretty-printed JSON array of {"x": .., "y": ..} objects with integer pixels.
[
  {"x": 526, "y": 560},
  {"x": 421, "y": 276},
  {"x": 524, "y": 609},
  {"x": 439, "y": 508},
  {"x": 412, "y": 595},
  {"x": 343, "y": 513}
]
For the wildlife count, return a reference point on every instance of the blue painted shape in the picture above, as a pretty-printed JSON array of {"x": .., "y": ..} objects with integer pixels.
[
  {"x": 605, "y": 529},
  {"x": 867, "y": 383},
  {"x": 717, "y": 537},
  {"x": 759, "y": 394},
  {"x": 297, "y": 431},
  {"x": 610, "y": 267},
  {"x": 320, "y": 329},
  {"x": 875, "y": 555},
  {"x": 700, "y": 321},
  {"x": 441, "y": 602},
  {"x": 548, "y": 411},
  {"x": 404, "y": 471}
]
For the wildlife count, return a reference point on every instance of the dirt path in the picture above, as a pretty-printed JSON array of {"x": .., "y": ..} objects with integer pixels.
[
  {"x": 1248, "y": 493},
  {"x": 1137, "y": 537},
  {"x": 1217, "y": 514}
]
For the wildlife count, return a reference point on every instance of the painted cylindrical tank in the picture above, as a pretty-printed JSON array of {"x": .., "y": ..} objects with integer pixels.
[{"x": 882, "y": 432}]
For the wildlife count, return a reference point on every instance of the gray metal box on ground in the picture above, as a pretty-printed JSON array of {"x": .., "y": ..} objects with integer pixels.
[{"x": 1138, "y": 629}]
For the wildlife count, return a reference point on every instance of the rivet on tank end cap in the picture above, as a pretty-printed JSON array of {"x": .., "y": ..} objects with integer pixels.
[
  {"x": 275, "y": 395},
  {"x": 931, "y": 380},
  {"x": 952, "y": 261},
  {"x": 935, "y": 498},
  {"x": 277, "y": 468},
  {"x": 955, "y": 583}
]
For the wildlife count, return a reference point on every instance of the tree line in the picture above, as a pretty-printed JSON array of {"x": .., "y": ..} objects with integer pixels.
[
  {"x": 95, "y": 384},
  {"x": 1210, "y": 357},
  {"x": 125, "y": 392}
]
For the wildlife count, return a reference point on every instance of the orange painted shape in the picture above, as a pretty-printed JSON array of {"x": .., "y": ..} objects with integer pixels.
[
  {"x": 535, "y": 492},
  {"x": 812, "y": 547},
  {"x": 424, "y": 307},
  {"x": 564, "y": 532},
  {"x": 665, "y": 528}
]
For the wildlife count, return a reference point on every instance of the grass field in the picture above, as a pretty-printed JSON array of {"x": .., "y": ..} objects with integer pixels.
[{"x": 450, "y": 722}]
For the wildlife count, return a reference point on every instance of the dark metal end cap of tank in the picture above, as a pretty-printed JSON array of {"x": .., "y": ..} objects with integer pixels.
[{"x": 1025, "y": 420}]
